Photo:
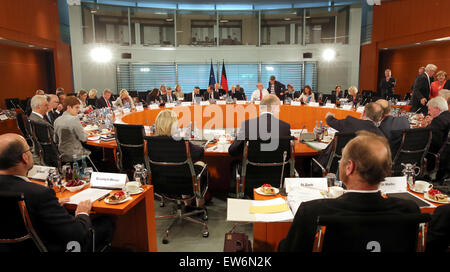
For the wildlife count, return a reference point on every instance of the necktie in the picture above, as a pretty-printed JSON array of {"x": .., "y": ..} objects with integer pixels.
[
  {"x": 107, "y": 103},
  {"x": 170, "y": 98},
  {"x": 260, "y": 94}
]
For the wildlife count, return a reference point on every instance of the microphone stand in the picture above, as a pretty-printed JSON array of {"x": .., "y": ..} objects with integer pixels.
[{"x": 282, "y": 189}]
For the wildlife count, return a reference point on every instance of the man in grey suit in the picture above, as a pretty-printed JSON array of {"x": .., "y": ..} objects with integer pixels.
[{"x": 39, "y": 107}]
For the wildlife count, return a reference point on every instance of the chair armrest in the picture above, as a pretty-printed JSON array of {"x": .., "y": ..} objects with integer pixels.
[
  {"x": 324, "y": 171},
  {"x": 201, "y": 172}
]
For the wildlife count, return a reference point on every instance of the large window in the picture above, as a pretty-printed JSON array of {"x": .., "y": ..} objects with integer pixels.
[
  {"x": 153, "y": 26},
  {"x": 112, "y": 25},
  {"x": 282, "y": 27},
  {"x": 143, "y": 77}
]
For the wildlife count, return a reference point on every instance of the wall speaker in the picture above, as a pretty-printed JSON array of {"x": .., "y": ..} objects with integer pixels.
[
  {"x": 126, "y": 55},
  {"x": 307, "y": 55}
]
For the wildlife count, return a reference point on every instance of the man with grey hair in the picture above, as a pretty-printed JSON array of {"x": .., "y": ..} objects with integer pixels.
[
  {"x": 421, "y": 89},
  {"x": 439, "y": 122},
  {"x": 266, "y": 126},
  {"x": 39, "y": 107}
]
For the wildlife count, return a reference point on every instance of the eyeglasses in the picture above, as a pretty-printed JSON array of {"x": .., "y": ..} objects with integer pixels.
[{"x": 26, "y": 150}]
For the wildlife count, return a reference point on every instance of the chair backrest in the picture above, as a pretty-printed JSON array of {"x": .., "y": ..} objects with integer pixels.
[
  {"x": 413, "y": 147},
  {"x": 23, "y": 124},
  {"x": 44, "y": 139},
  {"x": 171, "y": 167},
  {"x": 260, "y": 167},
  {"x": 187, "y": 96},
  {"x": 133, "y": 93},
  {"x": 91, "y": 101},
  {"x": 131, "y": 145},
  {"x": 345, "y": 93},
  {"x": 142, "y": 96},
  {"x": 338, "y": 143},
  {"x": 16, "y": 230},
  {"x": 367, "y": 93},
  {"x": 379, "y": 232}
]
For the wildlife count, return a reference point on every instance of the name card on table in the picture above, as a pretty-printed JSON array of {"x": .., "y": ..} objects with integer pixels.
[
  {"x": 402, "y": 103},
  {"x": 296, "y": 103},
  {"x": 186, "y": 103},
  {"x": 393, "y": 185},
  {"x": 154, "y": 106},
  {"x": 242, "y": 102},
  {"x": 126, "y": 110},
  {"x": 3, "y": 117},
  {"x": 330, "y": 105},
  {"x": 170, "y": 105},
  {"x": 140, "y": 108},
  {"x": 360, "y": 109},
  {"x": 117, "y": 112},
  {"x": 39, "y": 172},
  {"x": 347, "y": 107},
  {"x": 108, "y": 180},
  {"x": 317, "y": 183},
  {"x": 257, "y": 102},
  {"x": 221, "y": 102},
  {"x": 313, "y": 104},
  {"x": 281, "y": 102},
  {"x": 204, "y": 103}
]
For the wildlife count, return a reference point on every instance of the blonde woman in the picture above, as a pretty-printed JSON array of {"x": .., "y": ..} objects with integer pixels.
[
  {"x": 353, "y": 95},
  {"x": 166, "y": 126},
  {"x": 92, "y": 94},
  {"x": 178, "y": 92},
  {"x": 124, "y": 100}
]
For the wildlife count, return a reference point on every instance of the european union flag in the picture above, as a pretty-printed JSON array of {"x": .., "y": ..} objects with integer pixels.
[{"x": 212, "y": 78}]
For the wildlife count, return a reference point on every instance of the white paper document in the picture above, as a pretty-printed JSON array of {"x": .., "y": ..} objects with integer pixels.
[
  {"x": 238, "y": 210},
  {"x": 316, "y": 145},
  {"x": 301, "y": 194},
  {"x": 91, "y": 194},
  {"x": 219, "y": 148}
]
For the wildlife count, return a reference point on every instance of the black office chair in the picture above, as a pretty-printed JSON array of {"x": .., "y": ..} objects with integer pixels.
[
  {"x": 24, "y": 127},
  {"x": 378, "y": 232},
  {"x": 133, "y": 93},
  {"x": 327, "y": 98},
  {"x": 188, "y": 97},
  {"x": 142, "y": 97},
  {"x": 338, "y": 143},
  {"x": 131, "y": 146},
  {"x": 345, "y": 93},
  {"x": 316, "y": 96},
  {"x": 441, "y": 162},
  {"x": 407, "y": 96},
  {"x": 413, "y": 147},
  {"x": 264, "y": 167},
  {"x": 48, "y": 151},
  {"x": 16, "y": 230},
  {"x": 173, "y": 174}
]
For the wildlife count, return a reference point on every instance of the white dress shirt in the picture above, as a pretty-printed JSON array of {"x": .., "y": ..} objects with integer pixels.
[
  {"x": 38, "y": 114},
  {"x": 256, "y": 95}
]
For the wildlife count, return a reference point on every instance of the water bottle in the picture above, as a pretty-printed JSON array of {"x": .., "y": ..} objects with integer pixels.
[
  {"x": 83, "y": 165},
  {"x": 76, "y": 168}
]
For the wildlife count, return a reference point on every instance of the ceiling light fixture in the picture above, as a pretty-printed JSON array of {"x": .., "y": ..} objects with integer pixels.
[
  {"x": 329, "y": 54},
  {"x": 101, "y": 54}
]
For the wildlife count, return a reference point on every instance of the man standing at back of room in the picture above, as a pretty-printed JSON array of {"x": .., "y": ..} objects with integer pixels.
[
  {"x": 421, "y": 90},
  {"x": 276, "y": 88}
]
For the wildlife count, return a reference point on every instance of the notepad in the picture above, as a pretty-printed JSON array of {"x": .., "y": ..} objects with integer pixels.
[
  {"x": 91, "y": 194},
  {"x": 269, "y": 209}
]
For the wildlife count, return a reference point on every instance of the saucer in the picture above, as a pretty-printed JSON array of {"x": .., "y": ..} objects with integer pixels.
[{"x": 137, "y": 192}]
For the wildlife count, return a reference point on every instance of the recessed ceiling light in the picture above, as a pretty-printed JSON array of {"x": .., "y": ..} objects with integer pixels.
[
  {"x": 169, "y": 19},
  {"x": 30, "y": 45},
  {"x": 287, "y": 19},
  {"x": 93, "y": 11},
  {"x": 224, "y": 21}
]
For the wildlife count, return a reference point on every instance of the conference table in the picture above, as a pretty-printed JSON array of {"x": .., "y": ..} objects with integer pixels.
[
  {"x": 231, "y": 116},
  {"x": 267, "y": 236},
  {"x": 135, "y": 219}
]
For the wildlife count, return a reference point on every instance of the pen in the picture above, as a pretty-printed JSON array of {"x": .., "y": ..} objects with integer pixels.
[{"x": 101, "y": 198}]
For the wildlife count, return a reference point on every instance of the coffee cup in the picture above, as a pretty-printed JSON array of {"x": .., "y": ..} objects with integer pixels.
[
  {"x": 133, "y": 186},
  {"x": 104, "y": 131},
  {"x": 422, "y": 186},
  {"x": 335, "y": 191}
]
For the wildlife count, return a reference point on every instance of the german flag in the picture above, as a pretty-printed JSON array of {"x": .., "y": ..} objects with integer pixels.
[{"x": 223, "y": 79}]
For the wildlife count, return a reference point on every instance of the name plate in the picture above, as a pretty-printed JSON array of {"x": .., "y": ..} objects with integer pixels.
[
  {"x": 281, "y": 102},
  {"x": 170, "y": 105},
  {"x": 296, "y": 103},
  {"x": 39, "y": 172},
  {"x": 257, "y": 102},
  {"x": 330, "y": 105},
  {"x": 154, "y": 106},
  {"x": 139, "y": 108},
  {"x": 393, "y": 185},
  {"x": 186, "y": 103},
  {"x": 360, "y": 109},
  {"x": 126, "y": 110},
  {"x": 204, "y": 103},
  {"x": 317, "y": 183},
  {"x": 242, "y": 102},
  {"x": 221, "y": 102},
  {"x": 313, "y": 104},
  {"x": 3, "y": 117},
  {"x": 347, "y": 107},
  {"x": 108, "y": 180}
]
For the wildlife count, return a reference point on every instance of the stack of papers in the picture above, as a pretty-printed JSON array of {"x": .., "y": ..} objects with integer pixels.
[
  {"x": 243, "y": 210},
  {"x": 316, "y": 145},
  {"x": 91, "y": 194},
  {"x": 219, "y": 148},
  {"x": 300, "y": 194}
]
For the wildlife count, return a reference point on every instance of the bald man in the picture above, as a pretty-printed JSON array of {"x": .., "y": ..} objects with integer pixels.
[
  {"x": 389, "y": 123},
  {"x": 369, "y": 152},
  {"x": 53, "y": 224}
]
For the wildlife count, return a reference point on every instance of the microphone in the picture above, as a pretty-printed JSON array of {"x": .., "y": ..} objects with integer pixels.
[
  {"x": 16, "y": 106},
  {"x": 301, "y": 132},
  {"x": 282, "y": 169}
]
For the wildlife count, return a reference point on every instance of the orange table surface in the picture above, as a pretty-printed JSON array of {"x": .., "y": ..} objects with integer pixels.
[
  {"x": 135, "y": 219},
  {"x": 267, "y": 236}
]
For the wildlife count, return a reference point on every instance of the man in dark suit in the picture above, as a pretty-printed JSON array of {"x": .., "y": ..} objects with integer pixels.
[
  {"x": 266, "y": 126},
  {"x": 51, "y": 114},
  {"x": 169, "y": 97},
  {"x": 210, "y": 94},
  {"x": 387, "y": 85},
  {"x": 439, "y": 123},
  {"x": 391, "y": 127},
  {"x": 438, "y": 234},
  {"x": 235, "y": 93},
  {"x": 28, "y": 107},
  {"x": 276, "y": 88},
  {"x": 369, "y": 152},
  {"x": 53, "y": 224},
  {"x": 421, "y": 90},
  {"x": 372, "y": 114},
  {"x": 105, "y": 100},
  {"x": 218, "y": 90}
]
